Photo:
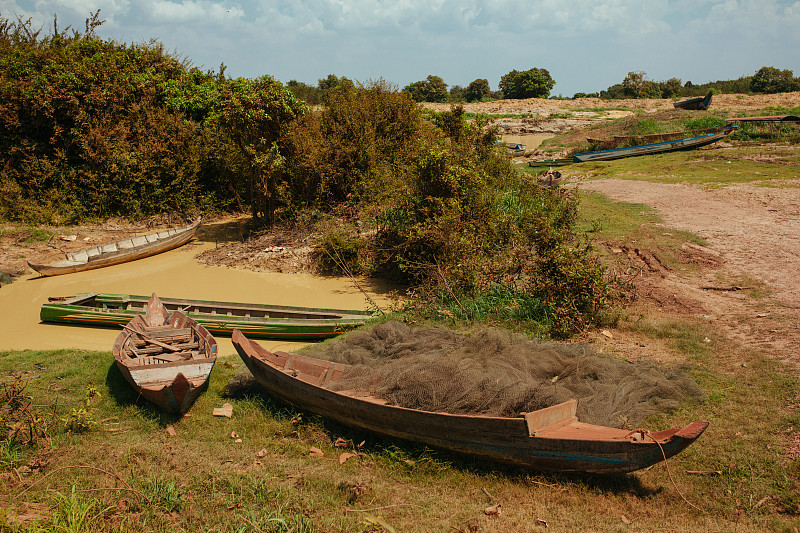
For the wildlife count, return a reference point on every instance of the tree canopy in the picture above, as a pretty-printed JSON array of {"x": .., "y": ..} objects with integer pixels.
[{"x": 533, "y": 83}]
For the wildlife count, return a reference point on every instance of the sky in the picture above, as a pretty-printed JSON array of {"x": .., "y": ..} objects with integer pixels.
[{"x": 587, "y": 45}]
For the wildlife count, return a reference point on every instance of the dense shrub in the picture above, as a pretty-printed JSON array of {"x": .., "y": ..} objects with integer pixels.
[{"x": 93, "y": 128}]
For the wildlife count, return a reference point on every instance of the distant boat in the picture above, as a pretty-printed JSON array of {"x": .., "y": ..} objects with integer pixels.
[
  {"x": 548, "y": 439},
  {"x": 551, "y": 162},
  {"x": 695, "y": 104},
  {"x": 656, "y": 148},
  {"x": 121, "y": 251},
  {"x": 166, "y": 357},
  {"x": 512, "y": 149},
  {"x": 257, "y": 320}
]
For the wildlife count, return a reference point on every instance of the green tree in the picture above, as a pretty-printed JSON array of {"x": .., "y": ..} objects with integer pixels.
[
  {"x": 671, "y": 87},
  {"x": 533, "y": 83},
  {"x": 255, "y": 114},
  {"x": 772, "y": 80},
  {"x": 432, "y": 89},
  {"x": 478, "y": 90},
  {"x": 636, "y": 85}
]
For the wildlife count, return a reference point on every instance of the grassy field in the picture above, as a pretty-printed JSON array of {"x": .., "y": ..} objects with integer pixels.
[{"x": 125, "y": 472}]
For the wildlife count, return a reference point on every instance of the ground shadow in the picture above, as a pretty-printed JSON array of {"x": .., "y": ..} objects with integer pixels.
[{"x": 123, "y": 395}]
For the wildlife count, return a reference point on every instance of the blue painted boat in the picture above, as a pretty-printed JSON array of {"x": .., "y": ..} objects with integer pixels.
[
  {"x": 687, "y": 143},
  {"x": 695, "y": 104}
]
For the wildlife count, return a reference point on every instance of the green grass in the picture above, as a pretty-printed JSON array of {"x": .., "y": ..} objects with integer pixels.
[
  {"x": 201, "y": 480},
  {"x": 708, "y": 168}
]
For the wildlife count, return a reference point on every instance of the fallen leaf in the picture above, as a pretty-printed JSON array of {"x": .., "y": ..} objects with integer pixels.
[
  {"x": 493, "y": 510},
  {"x": 341, "y": 443},
  {"x": 625, "y": 519},
  {"x": 235, "y": 506},
  {"x": 542, "y": 522},
  {"x": 257, "y": 462},
  {"x": 362, "y": 444},
  {"x": 262, "y": 452},
  {"x": 345, "y": 456},
  {"x": 316, "y": 452},
  {"x": 762, "y": 501},
  {"x": 606, "y": 333},
  {"x": 69, "y": 238},
  {"x": 238, "y": 440},
  {"x": 234, "y": 435},
  {"x": 171, "y": 431},
  {"x": 226, "y": 410}
]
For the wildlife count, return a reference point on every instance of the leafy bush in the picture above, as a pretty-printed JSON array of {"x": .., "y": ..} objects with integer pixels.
[
  {"x": 533, "y": 83},
  {"x": 94, "y": 128}
]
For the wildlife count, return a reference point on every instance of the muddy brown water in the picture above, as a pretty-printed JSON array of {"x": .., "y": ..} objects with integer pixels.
[
  {"x": 171, "y": 274},
  {"x": 530, "y": 140}
]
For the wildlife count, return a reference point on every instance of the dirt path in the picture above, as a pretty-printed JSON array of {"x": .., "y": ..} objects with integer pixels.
[{"x": 755, "y": 230}]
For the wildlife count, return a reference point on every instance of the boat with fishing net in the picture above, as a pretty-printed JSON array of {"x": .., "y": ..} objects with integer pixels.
[{"x": 550, "y": 439}]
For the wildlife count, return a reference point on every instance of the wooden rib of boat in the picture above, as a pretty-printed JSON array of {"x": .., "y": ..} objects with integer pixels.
[
  {"x": 655, "y": 148},
  {"x": 695, "y": 104},
  {"x": 166, "y": 357},
  {"x": 548, "y": 439},
  {"x": 257, "y": 320},
  {"x": 121, "y": 251}
]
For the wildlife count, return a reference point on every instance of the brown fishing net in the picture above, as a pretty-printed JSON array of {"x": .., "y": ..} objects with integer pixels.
[{"x": 499, "y": 373}]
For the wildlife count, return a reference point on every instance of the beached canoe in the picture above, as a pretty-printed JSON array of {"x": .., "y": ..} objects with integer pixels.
[
  {"x": 695, "y": 104},
  {"x": 220, "y": 318},
  {"x": 166, "y": 357},
  {"x": 121, "y": 251},
  {"x": 512, "y": 149},
  {"x": 550, "y": 439},
  {"x": 655, "y": 148}
]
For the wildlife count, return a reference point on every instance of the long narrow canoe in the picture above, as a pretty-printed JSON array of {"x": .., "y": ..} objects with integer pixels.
[
  {"x": 220, "y": 318},
  {"x": 166, "y": 357},
  {"x": 656, "y": 148},
  {"x": 121, "y": 251},
  {"x": 548, "y": 439},
  {"x": 695, "y": 104}
]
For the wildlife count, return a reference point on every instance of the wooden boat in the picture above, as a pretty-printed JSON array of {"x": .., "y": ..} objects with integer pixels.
[
  {"x": 166, "y": 357},
  {"x": 547, "y": 439},
  {"x": 633, "y": 140},
  {"x": 512, "y": 149},
  {"x": 121, "y": 251},
  {"x": 258, "y": 320},
  {"x": 695, "y": 104},
  {"x": 551, "y": 162},
  {"x": 655, "y": 148}
]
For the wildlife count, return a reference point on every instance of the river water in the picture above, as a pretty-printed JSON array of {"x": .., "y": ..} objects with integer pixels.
[{"x": 171, "y": 274}]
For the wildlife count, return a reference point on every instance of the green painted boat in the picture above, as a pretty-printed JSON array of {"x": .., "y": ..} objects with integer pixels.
[{"x": 219, "y": 318}]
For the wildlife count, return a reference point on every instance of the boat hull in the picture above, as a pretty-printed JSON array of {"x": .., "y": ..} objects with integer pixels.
[
  {"x": 173, "y": 361},
  {"x": 655, "y": 148},
  {"x": 124, "y": 251},
  {"x": 219, "y": 318},
  {"x": 560, "y": 443}
]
